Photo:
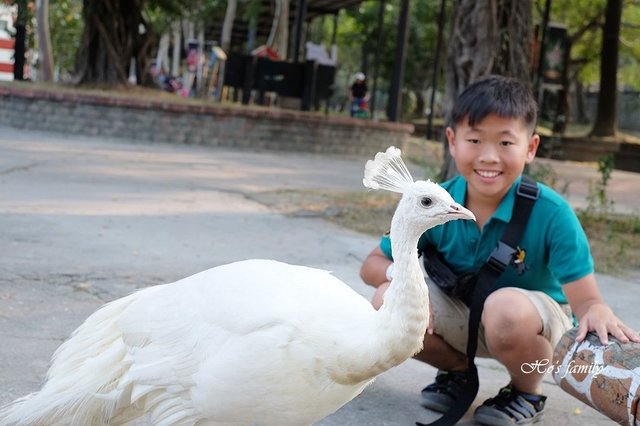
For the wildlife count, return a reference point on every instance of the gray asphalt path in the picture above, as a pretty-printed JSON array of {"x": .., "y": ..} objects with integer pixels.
[{"x": 86, "y": 220}]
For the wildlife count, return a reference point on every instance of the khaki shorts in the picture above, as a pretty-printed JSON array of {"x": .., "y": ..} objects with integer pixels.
[{"x": 450, "y": 318}]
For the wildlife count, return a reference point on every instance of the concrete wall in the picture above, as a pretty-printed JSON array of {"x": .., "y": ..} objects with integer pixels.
[{"x": 194, "y": 123}]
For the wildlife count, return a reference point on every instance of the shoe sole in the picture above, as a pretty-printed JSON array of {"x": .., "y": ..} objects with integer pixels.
[{"x": 488, "y": 420}]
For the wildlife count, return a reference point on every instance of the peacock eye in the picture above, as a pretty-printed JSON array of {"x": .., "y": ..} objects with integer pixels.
[{"x": 426, "y": 201}]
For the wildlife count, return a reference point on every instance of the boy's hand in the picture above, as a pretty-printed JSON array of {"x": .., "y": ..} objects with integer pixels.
[{"x": 600, "y": 319}]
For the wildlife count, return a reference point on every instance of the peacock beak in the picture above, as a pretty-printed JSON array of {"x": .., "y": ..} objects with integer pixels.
[{"x": 456, "y": 211}]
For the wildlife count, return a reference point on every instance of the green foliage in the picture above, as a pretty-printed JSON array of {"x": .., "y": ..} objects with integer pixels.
[
  {"x": 160, "y": 14},
  {"x": 358, "y": 37},
  {"x": 628, "y": 74},
  {"x": 252, "y": 11},
  {"x": 599, "y": 222},
  {"x": 423, "y": 33},
  {"x": 65, "y": 26},
  {"x": 597, "y": 198},
  {"x": 613, "y": 237},
  {"x": 584, "y": 20}
]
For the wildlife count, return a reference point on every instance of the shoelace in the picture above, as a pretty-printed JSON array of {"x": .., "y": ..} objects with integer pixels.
[
  {"x": 447, "y": 382},
  {"x": 504, "y": 397},
  {"x": 518, "y": 405}
]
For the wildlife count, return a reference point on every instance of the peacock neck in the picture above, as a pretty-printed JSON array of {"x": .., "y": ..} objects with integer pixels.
[
  {"x": 405, "y": 311},
  {"x": 396, "y": 331}
]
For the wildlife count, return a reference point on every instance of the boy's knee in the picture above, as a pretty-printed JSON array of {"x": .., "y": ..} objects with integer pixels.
[{"x": 509, "y": 315}]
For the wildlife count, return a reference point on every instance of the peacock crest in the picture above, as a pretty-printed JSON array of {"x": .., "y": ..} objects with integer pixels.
[{"x": 387, "y": 171}]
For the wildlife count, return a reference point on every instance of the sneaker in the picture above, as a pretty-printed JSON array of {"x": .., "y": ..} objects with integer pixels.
[
  {"x": 440, "y": 395},
  {"x": 510, "y": 407}
]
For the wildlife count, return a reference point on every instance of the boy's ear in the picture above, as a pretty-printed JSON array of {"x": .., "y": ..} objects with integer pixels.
[
  {"x": 451, "y": 139},
  {"x": 532, "y": 147}
]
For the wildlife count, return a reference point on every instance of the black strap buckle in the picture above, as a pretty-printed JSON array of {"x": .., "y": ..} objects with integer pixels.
[
  {"x": 501, "y": 257},
  {"x": 528, "y": 190}
]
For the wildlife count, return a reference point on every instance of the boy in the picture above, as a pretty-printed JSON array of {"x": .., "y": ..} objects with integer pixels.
[{"x": 491, "y": 139}]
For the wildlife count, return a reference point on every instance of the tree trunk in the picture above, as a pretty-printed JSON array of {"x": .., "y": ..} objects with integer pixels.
[
  {"x": 279, "y": 34},
  {"x": 227, "y": 26},
  {"x": 45, "y": 59},
  {"x": 225, "y": 41},
  {"x": 20, "y": 46},
  {"x": 162, "y": 57},
  {"x": 606, "y": 122},
  {"x": 115, "y": 32},
  {"x": 177, "y": 48},
  {"x": 420, "y": 104},
  {"x": 487, "y": 37}
]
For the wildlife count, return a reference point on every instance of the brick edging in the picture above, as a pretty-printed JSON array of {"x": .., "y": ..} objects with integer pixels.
[{"x": 215, "y": 110}]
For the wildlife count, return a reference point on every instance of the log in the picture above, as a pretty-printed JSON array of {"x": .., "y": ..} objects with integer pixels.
[{"x": 605, "y": 377}]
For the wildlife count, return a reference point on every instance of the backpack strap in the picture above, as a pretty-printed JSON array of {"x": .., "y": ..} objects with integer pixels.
[{"x": 502, "y": 256}]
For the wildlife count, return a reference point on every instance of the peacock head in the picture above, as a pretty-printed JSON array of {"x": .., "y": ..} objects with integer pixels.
[{"x": 424, "y": 204}]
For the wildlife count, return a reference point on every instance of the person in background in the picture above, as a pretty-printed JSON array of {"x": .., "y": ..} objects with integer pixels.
[{"x": 359, "y": 97}]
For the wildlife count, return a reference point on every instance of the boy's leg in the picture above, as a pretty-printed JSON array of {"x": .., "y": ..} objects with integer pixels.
[
  {"x": 449, "y": 319},
  {"x": 518, "y": 327},
  {"x": 445, "y": 349},
  {"x": 520, "y": 330},
  {"x": 513, "y": 330},
  {"x": 441, "y": 355}
]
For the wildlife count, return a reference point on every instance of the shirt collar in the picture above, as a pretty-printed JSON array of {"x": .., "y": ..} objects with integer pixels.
[{"x": 505, "y": 208}]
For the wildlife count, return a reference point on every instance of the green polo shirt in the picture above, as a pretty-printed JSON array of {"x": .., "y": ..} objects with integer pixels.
[{"x": 556, "y": 247}]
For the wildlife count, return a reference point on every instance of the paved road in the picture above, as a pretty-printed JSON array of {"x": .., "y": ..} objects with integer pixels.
[{"x": 86, "y": 220}]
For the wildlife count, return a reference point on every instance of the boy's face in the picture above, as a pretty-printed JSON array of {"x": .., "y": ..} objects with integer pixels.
[{"x": 491, "y": 154}]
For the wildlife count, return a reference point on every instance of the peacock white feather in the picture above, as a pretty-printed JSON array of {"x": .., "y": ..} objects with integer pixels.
[
  {"x": 387, "y": 171},
  {"x": 255, "y": 342}
]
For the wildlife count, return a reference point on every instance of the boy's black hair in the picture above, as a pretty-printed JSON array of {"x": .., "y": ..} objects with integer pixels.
[{"x": 504, "y": 96}]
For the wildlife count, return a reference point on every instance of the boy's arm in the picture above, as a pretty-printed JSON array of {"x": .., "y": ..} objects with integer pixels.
[
  {"x": 374, "y": 268},
  {"x": 594, "y": 314}
]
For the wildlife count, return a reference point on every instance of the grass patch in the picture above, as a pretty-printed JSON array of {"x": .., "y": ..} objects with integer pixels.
[
  {"x": 366, "y": 212},
  {"x": 614, "y": 240}
]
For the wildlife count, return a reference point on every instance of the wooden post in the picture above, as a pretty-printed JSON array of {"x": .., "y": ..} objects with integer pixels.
[
  {"x": 605, "y": 377},
  {"x": 309, "y": 85}
]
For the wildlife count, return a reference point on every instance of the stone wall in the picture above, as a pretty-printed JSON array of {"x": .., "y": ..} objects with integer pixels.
[
  {"x": 134, "y": 118},
  {"x": 626, "y": 153}
]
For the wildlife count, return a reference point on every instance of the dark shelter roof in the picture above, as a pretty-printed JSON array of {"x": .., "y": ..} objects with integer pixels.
[{"x": 324, "y": 7}]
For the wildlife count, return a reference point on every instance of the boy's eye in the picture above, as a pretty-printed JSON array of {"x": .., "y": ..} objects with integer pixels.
[
  {"x": 473, "y": 141},
  {"x": 506, "y": 143}
]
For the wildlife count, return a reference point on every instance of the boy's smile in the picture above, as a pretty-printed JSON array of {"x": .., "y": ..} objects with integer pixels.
[
  {"x": 488, "y": 174},
  {"x": 491, "y": 155}
]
